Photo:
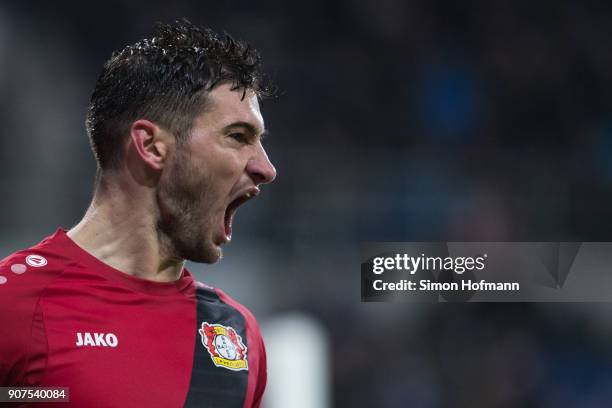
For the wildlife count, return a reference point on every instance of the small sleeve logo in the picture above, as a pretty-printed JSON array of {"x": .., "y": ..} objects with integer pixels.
[
  {"x": 36, "y": 261},
  {"x": 225, "y": 346}
]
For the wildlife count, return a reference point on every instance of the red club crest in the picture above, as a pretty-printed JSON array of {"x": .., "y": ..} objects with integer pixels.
[{"x": 225, "y": 346}]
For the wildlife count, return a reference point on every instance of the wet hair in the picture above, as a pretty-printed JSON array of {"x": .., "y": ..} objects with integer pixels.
[{"x": 165, "y": 79}]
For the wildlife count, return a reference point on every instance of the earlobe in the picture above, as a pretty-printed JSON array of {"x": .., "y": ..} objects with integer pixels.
[{"x": 149, "y": 143}]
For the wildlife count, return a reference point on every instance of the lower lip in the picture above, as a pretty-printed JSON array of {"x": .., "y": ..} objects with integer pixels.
[
  {"x": 227, "y": 229},
  {"x": 222, "y": 238}
]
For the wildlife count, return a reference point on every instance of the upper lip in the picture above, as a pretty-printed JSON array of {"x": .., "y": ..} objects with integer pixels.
[{"x": 243, "y": 196}]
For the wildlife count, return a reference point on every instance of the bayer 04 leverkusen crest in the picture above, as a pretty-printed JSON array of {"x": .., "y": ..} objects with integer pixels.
[{"x": 225, "y": 346}]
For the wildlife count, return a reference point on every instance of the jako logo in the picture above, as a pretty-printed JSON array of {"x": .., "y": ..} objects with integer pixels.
[{"x": 97, "y": 340}]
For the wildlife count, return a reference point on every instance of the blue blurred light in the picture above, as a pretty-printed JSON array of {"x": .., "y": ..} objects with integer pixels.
[{"x": 449, "y": 102}]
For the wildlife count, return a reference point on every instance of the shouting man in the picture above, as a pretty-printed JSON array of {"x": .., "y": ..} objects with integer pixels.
[{"x": 107, "y": 309}]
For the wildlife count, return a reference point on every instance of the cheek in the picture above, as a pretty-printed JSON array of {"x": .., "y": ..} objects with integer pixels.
[
  {"x": 212, "y": 170},
  {"x": 205, "y": 188},
  {"x": 181, "y": 190},
  {"x": 225, "y": 166}
]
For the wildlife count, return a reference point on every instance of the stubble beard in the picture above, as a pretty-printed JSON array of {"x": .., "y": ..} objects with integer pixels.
[{"x": 185, "y": 225}]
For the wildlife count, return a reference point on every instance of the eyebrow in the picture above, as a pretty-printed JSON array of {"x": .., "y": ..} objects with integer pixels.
[{"x": 248, "y": 126}]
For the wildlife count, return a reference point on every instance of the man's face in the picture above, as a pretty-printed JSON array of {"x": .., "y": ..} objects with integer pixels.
[{"x": 218, "y": 168}]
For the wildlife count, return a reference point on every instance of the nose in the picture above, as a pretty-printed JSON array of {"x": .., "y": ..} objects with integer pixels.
[{"x": 260, "y": 168}]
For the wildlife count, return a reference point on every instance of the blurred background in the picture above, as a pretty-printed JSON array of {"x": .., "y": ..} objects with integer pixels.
[{"x": 397, "y": 121}]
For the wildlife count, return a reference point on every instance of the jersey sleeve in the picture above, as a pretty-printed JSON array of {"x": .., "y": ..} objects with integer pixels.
[
  {"x": 22, "y": 336},
  {"x": 16, "y": 312}
]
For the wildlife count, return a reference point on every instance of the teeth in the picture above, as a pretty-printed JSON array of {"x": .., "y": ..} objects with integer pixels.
[{"x": 248, "y": 195}]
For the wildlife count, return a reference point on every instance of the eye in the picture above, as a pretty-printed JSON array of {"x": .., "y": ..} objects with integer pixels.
[{"x": 239, "y": 137}]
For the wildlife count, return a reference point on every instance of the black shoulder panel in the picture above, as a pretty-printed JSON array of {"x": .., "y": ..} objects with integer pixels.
[{"x": 220, "y": 368}]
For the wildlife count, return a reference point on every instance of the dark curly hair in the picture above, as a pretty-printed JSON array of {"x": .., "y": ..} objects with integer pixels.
[{"x": 165, "y": 79}]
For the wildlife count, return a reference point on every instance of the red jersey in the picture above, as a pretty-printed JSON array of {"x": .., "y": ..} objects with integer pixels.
[{"x": 69, "y": 320}]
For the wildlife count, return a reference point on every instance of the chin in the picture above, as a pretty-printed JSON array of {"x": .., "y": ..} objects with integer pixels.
[
  {"x": 198, "y": 250},
  {"x": 209, "y": 254},
  {"x": 215, "y": 257}
]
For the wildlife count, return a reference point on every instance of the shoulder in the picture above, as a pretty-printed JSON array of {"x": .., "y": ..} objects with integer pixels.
[
  {"x": 243, "y": 310},
  {"x": 24, "y": 275},
  {"x": 216, "y": 305},
  {"x": 257, "y": 352},
  {"x": 211, "y": 296},
  {"x": 26, "y": 272}
]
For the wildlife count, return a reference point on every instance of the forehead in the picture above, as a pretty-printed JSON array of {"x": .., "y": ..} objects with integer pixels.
[{"x": 225, "y": 107}]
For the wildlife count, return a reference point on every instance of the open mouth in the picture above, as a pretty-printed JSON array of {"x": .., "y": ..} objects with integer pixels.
[{"x": 233, "y": 206}]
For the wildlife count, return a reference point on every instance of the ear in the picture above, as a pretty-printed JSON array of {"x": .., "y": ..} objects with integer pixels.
[{"x": 150, "y": 142}]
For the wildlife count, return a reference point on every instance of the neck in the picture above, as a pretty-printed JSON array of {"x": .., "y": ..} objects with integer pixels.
[{"x": 117, "y": 230}]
